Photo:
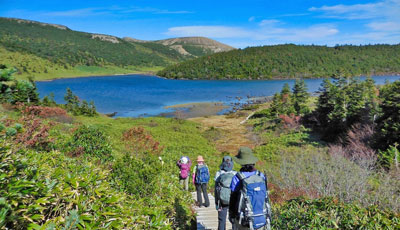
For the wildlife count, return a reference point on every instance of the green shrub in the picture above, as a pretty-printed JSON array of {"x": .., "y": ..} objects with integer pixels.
[
  {"x": 261, "y": 113},
  {"x": 46, "y": 190},
  {"x": 387, "y": 158},
  {"x": 89, "y": 141},
  {"x": 328, "y": 213},
  {"x": 18, "y": 127},
  {"x": 11, "y": 132},
  {"x": 2, "y": 127},
  {"x": 140, "y": 178}
]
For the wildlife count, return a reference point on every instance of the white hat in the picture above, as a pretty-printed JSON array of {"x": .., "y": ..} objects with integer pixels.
[{"x": 184, "y": 160}]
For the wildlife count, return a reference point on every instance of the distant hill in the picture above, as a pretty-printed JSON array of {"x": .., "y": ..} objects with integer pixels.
[
  {"x": 189, "y": 46},
  {"x": 196, "y": 46},
  {"x": 50, "y": 50},
  {"x": 290, "y": 61}
]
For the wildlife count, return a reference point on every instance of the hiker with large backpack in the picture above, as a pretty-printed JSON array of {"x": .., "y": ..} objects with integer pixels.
[
  {"x": 249, "y": 206},
  {"x": 201, "y": 176},
  {"x": 222, "y": 191},
  {"x": 184, "y": 165}
]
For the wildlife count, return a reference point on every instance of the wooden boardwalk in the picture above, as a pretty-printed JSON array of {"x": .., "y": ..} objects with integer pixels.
[{"x": 207, "y": 218}]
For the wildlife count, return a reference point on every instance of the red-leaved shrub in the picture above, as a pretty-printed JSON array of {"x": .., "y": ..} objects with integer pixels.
[
  {"x": 43, "y": 111},
  {"x": 35, "y": 133},
  {"x": 138, "y": 140},
  {"x": 356, "y": 145},
  {"x": 290, "y": 122}
]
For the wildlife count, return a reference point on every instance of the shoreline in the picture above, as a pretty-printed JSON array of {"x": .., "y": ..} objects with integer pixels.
[
  {"x": 145, "y": 73},
  {"x": 282, "y": 78},
  {"x": 153, "y": 74},
  {"x": 195, "y": 109}
]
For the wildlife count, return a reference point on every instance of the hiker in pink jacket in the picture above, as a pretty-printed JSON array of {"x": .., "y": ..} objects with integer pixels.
[{"x": 184, "y": 165}]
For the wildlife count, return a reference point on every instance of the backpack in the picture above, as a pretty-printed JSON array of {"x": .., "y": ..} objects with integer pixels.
[
  {"x": 254, "y": 208},
  {"x": 202, "y": 174},
  {"x": 185, "y": 168},
  {"x": 222, "y": 188}
]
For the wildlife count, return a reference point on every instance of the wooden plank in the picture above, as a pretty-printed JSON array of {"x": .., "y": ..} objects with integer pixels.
[{"x": 207, "y": 218}]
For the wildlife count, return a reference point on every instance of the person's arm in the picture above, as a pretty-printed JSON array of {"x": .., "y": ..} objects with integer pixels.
[
  {"x": 217, "y": 174},
  {"x": 216, "y": 179}
]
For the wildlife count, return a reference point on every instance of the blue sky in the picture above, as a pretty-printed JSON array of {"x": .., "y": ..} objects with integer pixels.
[{"x": 238, "y": 23}]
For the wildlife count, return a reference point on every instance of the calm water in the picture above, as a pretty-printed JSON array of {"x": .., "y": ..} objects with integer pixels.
[{"x": 139, "y": 95}]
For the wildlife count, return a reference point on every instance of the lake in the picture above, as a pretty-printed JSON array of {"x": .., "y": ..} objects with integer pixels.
[{"x": 140, "y": 95}]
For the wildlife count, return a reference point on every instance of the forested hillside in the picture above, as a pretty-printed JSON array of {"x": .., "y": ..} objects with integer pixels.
[
  {"x": 71, "y": 48},
  {"x": 48, "y": 51},
  {"x": 290, "y": 61}
]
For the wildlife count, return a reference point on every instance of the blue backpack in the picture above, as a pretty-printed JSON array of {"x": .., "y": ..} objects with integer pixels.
[
  {"x": 202, "y": 174},
  {"x": 254, "y": 208}
]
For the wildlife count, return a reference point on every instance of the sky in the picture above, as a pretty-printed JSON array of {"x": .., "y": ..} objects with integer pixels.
[{"x": 239, "y": 23}]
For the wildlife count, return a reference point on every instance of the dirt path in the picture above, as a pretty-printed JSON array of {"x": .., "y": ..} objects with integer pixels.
[{"x": 232, "y": 134}]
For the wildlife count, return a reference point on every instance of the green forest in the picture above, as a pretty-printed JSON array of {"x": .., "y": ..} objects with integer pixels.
[
  {"x": 290, "y": 61},
  {"x": 46, "y": 52}
]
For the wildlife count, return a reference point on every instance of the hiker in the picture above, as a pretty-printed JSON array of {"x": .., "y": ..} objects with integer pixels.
[
  {"x": 249, "y": 206},
  {"x": 222, "y": 191},
  {"x": 184, "y": 165},
  {"x": 201, "y": 176}
]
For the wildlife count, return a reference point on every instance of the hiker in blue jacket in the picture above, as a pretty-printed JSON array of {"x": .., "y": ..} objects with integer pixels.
[
  {"x": 222, "y": 191},
  {"x": 249, "y": 207},
  {"x": 201, "y": 176}
]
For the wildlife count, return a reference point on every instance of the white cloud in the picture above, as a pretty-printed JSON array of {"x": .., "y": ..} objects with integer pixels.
[
  {"x": 270, "y": 22},
  {"x": 115, "y": 10},
  {"x": 271, "y": 33},
  {"x": 381, "y": 9},
  {"x": 209, "y": 31},
  {"x": 385, "y": 26},
  {"x": 251, "y": 19},
  {"x": 76, "y": 13}
]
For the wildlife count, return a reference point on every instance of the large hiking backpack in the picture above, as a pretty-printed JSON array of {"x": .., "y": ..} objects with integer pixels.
[
  {"x": 202, "y": 174},
  {"x": 222, "y": 188},
  {"x": 185, "y": 168},
  {"x": 254, "y": 208}
]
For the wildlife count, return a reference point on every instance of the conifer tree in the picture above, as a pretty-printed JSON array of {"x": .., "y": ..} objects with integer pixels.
[
  {"x": 388, "y": 122},
  {"x": 300, "y": 97}
]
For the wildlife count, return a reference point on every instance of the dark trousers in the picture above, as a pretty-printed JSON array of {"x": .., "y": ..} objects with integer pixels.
[
  {"x": 222, "y": 217},
  {"x": 199, "y": 189}
]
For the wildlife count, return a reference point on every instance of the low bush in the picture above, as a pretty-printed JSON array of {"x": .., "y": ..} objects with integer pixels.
[
  {"x": 139, "y": 169},
  {"x": 139, "y": 142},
  {"x": 328, "y": 213},
  {"x": 46, "y": 190},
  {"x": 319, "y": 175},
  {"x": 43, "y": 111},
  {"x": 36, "y": 133},
  {"x": 90, "y": 141},
  {"x": 11, "y": 132},
  {"x": 139, "y": 177}
]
